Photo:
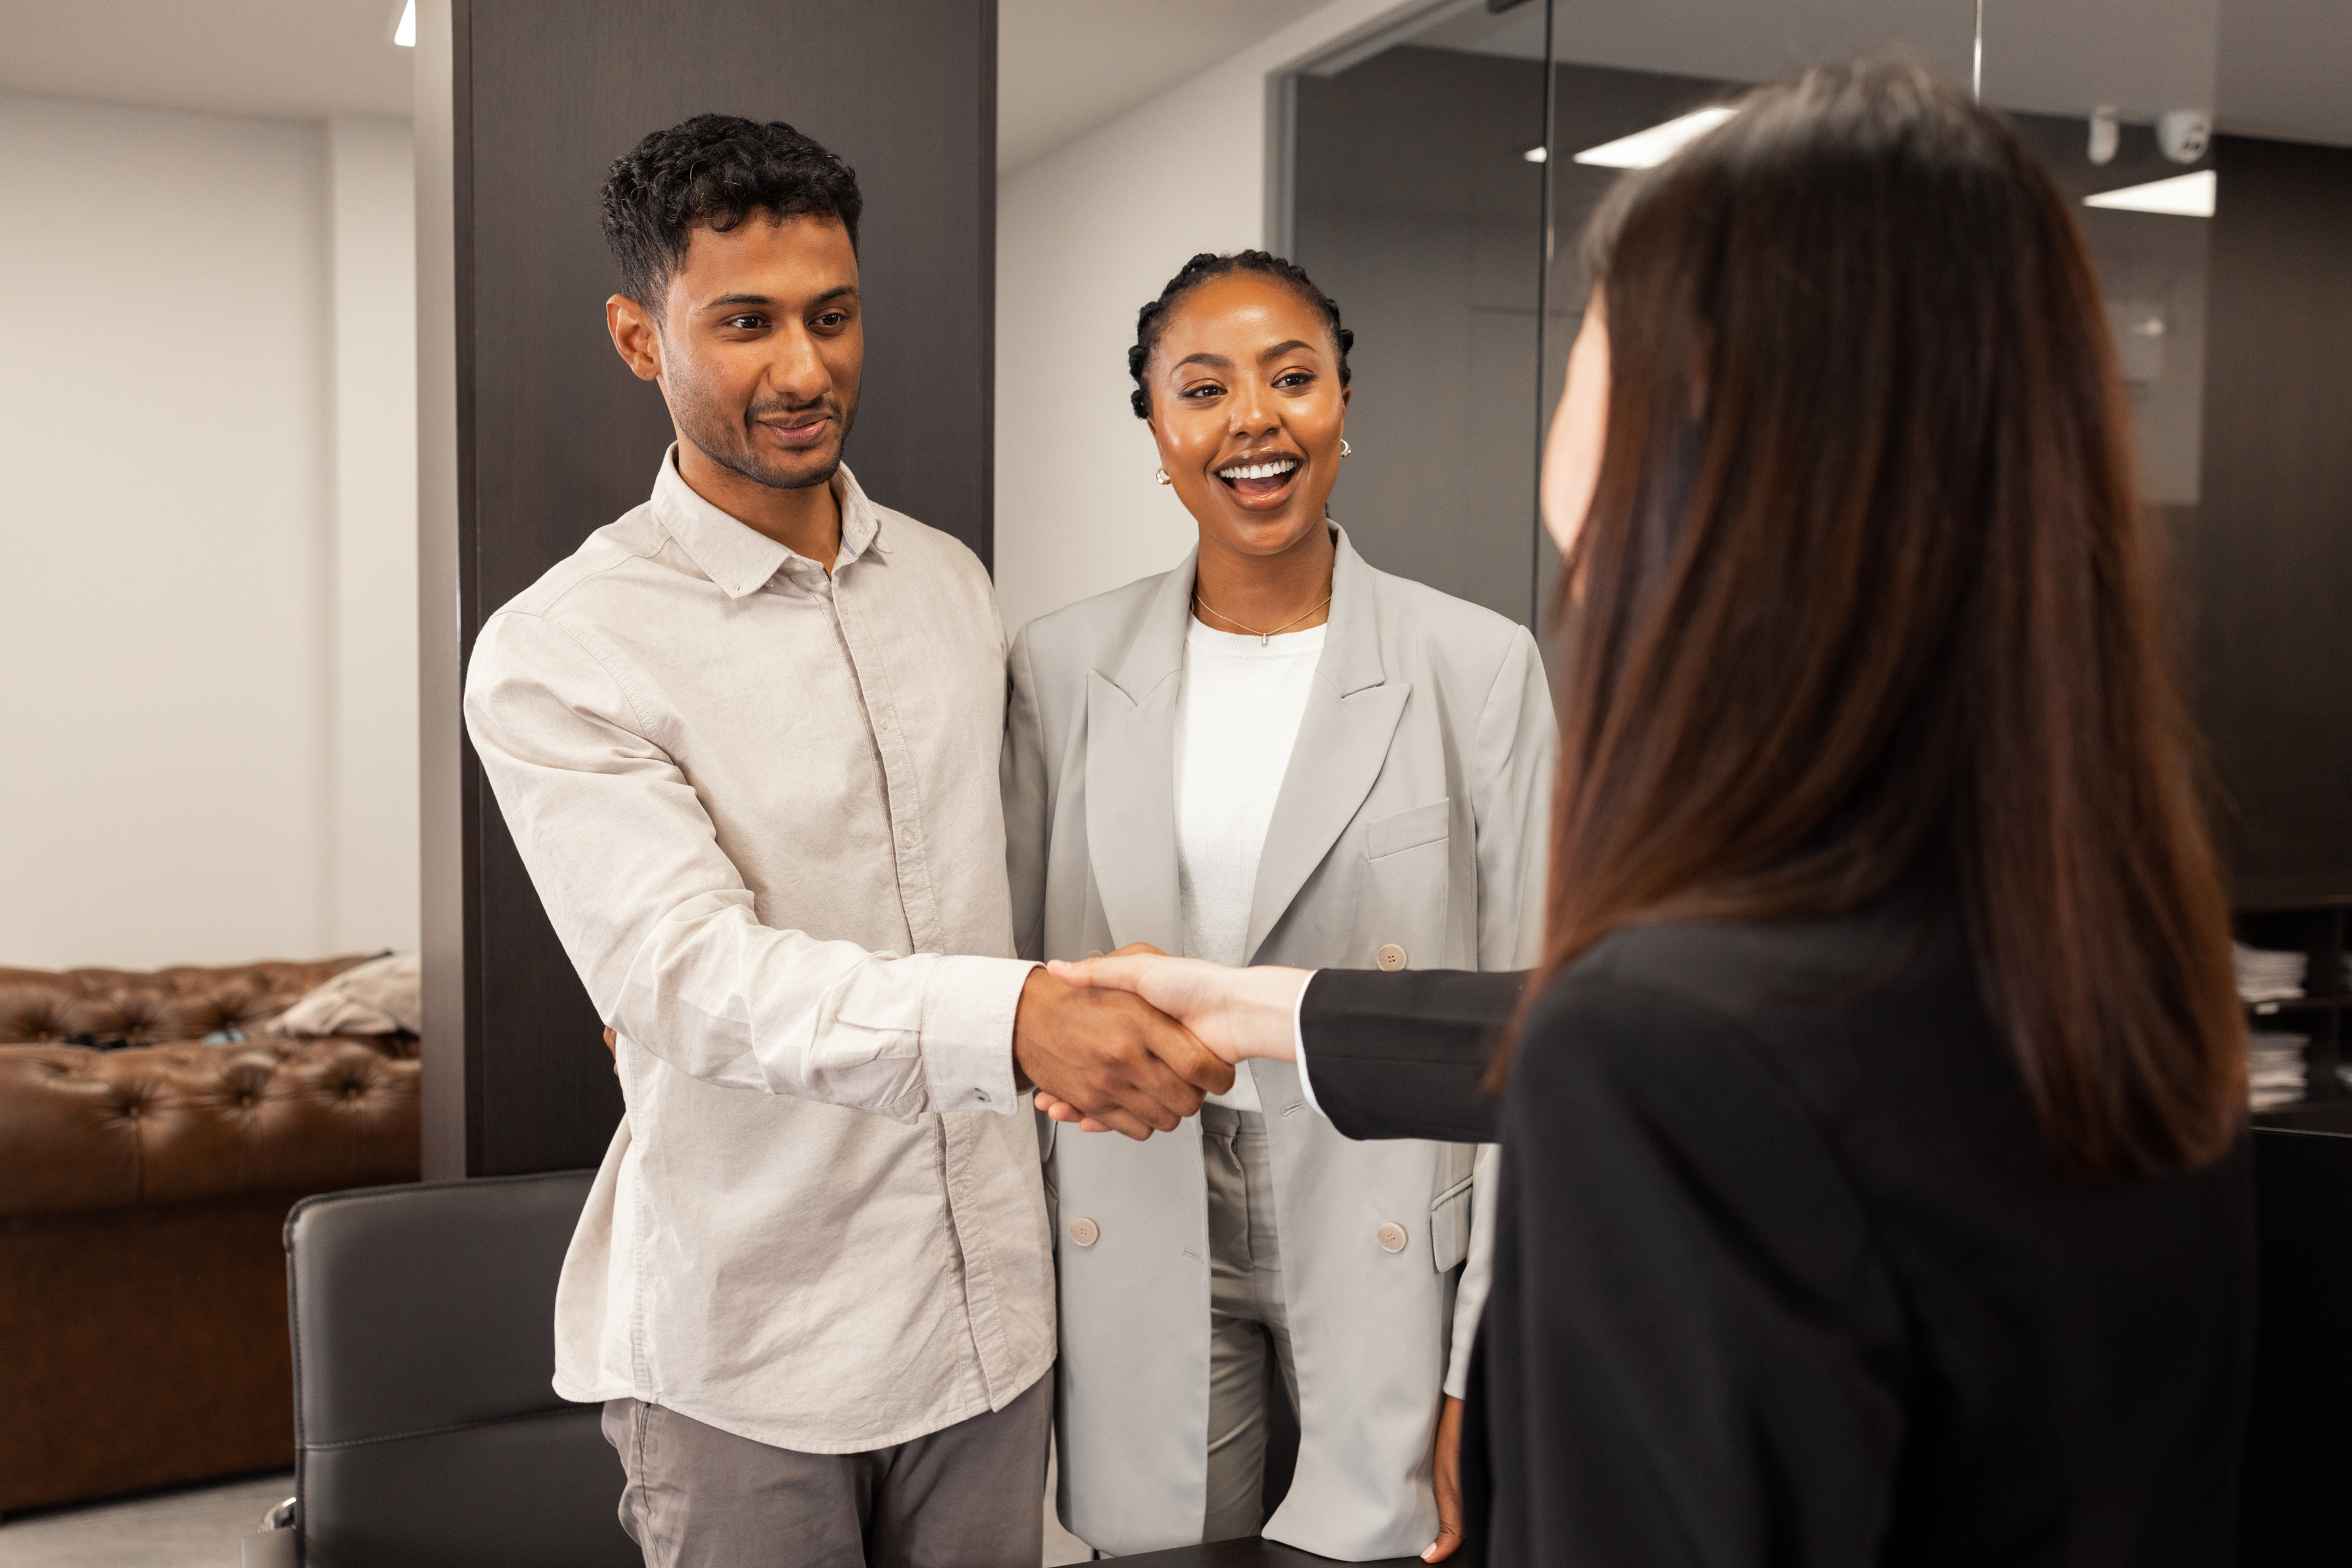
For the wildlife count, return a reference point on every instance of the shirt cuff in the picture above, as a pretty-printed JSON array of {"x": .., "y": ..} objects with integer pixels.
[
  {"x": 1298, "y": 1045},
  {"x": 968, "y": 1007}
]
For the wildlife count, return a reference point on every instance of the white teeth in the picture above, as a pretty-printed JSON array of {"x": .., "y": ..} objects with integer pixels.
[{"x": 1258, "y": 470}]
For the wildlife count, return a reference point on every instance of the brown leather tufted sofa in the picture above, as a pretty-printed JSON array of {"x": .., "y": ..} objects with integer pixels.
[{"x": 145, "y": 1174}]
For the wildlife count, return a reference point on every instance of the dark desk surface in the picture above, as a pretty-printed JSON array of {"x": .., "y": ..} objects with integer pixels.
[{"x": 1254, "y": 1553}]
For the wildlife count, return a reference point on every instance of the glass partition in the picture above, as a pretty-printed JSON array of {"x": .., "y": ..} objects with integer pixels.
[
  {"x": 1440, "y": 173},
  {"x": 1416, "y": 206},
  {"x": 1633, "y": 78}
]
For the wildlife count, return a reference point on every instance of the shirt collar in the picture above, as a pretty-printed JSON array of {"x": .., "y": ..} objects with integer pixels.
[{"x": 740, "y": 559}]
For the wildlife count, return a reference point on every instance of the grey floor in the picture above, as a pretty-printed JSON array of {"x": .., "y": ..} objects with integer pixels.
[{"x": 201, "y": 1527}]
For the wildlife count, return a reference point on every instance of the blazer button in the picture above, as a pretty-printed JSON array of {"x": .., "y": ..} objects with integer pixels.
[
  {"x": 1085, "y": 1233},
  {"x": 1391, "y": 958},
  {"x": 1390, "y": 1237}
]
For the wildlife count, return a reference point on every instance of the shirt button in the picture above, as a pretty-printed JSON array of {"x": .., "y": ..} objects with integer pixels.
[
  {"x": 1390, "y": 1237},
  {"x": 906, "y": 838},
  {"x": 882, "y": 723},
  {"x": 1085, "y": 1232},
  {"x": 1391, "y": 958},
  {"x": 981, "y": 1095}
]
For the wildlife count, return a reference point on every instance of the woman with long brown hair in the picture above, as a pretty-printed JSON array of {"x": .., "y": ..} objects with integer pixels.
[{"x": 1873, "y": 1186}]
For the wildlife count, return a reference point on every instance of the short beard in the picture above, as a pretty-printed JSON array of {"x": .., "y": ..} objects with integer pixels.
[
  {"x": 697, "y": 425},
  {"x": 761, "y": 474}
]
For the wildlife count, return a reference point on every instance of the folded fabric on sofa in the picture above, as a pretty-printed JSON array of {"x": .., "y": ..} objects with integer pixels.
[{"x": 382, "y": 996}]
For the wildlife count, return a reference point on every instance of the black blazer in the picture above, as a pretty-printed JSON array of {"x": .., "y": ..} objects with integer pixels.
[{"x": 1783, "y": 1276}]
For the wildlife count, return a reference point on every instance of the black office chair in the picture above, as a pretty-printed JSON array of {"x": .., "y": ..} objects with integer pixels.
[
  {"x": 426, "y": 1431},
  {"x": 2298, "y": 1449}
]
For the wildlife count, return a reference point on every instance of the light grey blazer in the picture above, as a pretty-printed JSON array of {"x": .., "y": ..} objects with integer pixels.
[{"x": 1410, "y": 819}]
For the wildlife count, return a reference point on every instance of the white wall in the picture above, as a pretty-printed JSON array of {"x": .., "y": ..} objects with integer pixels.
[
  {"x": 1085, "y": 236},
  {"x": 373, "y": 892},
  {"x": 169, "y": 679}
]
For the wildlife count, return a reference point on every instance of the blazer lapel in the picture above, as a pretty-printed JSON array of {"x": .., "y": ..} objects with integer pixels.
[
  {"x": 1352, "y": 711},
  {"x": 1131, "y": 772}
]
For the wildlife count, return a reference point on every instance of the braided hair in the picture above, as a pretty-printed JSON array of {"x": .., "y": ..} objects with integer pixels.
[{"x": 1153, "y": 318}]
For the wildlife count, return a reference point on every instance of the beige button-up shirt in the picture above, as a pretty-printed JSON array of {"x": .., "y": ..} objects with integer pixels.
[{"x": 760, "y": 802}]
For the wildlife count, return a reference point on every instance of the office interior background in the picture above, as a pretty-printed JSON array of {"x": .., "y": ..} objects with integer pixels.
[{"x": 242, "y": 585}]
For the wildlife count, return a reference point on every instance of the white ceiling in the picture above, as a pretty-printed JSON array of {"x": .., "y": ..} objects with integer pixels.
[
  {"x": 279, "y": 60},
  {"x": 1063, "y": 66},
  {"x": 1068, "y": 66}
]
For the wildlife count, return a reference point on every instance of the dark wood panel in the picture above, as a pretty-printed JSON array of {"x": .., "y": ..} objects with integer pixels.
[
  {"x": 2266, "y": 557},
  {"x": 555, "y": 438}
]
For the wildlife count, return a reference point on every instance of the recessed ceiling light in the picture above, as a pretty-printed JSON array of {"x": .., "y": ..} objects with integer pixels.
[
  {"x": 2183, "y": 196},
  {"x": 1658, "y": 143},
  {"x": 1536, "y": 154},
  {"x": 405, "y": 35}
]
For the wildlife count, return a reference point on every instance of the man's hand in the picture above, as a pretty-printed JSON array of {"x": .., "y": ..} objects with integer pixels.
[
  {"x": 1110, "y": 1059},
  {"x": 613, "y": 1044},
  {"x": 1448, "y": 1457}
]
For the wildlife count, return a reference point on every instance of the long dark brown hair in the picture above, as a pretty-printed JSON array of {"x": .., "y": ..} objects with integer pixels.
[{"x": 1866, "y": 602}]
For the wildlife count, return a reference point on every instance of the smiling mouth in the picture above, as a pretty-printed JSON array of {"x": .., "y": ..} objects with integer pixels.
[
  {"x": 801, "y": 429},
  {"x": 1260, "y": 480}
]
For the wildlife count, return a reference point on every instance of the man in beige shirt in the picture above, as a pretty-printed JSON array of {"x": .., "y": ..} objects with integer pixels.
[{"x": 747, "y": 739}]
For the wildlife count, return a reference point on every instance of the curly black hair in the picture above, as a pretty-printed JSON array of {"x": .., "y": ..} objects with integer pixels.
[
  {"x": 1153, "y": 318},
  {"x": 715, "y": 168}
]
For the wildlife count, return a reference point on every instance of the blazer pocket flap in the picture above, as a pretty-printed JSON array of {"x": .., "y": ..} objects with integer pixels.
[
  {"x": 1449, "y": 1226},
  {"x": 1408, "y": 829}
]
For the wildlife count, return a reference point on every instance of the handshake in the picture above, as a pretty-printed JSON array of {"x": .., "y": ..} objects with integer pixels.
[{"x": 1130, "y": 1041}]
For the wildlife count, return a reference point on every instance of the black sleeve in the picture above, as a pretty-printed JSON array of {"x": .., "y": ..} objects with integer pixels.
[
  {"x": 1700, "y": 1356},
  {"x": 1401, "y": 1055}
]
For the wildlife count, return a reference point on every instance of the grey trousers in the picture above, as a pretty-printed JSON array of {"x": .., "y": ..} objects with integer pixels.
[
  {"x": 969, "y": 1496},
  {"x": 1245, "y": 1313}
]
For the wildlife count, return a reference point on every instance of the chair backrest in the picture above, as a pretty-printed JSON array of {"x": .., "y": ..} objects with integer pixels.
[
  {"x": 2298, "y": 1447},
  {"x": 426, "y": 1429}
]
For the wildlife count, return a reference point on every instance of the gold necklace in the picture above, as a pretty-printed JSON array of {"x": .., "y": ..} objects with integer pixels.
[{"x": 1263, "y": 637}]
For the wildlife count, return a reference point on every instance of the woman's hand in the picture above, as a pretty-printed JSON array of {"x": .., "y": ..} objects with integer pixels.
[{"x": 1448, "y": 1467}]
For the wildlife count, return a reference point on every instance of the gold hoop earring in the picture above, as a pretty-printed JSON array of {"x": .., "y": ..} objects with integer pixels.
[
  {"x": 1162, "y": 475},
  {"x": 1344, "y": 448}
]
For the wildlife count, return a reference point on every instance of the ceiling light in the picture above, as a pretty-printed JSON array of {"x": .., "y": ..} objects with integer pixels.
[
  {"x": 2184, "y": 196},
  {"x": 405, "y": 35},
  {"x": 1536, "y": 154},
  {"x": 1658, "y": 143}
]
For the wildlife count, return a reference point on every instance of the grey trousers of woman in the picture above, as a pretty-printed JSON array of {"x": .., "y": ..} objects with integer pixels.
[{"x": 1246, "y": 1310}]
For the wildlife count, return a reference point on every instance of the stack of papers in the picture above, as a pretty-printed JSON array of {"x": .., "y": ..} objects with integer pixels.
[
  {"x": 2267, "y": 976},
  {"x": 2274, "y": 1070}
]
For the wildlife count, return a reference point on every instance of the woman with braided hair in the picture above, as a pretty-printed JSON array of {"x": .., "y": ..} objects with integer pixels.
[{"x": 1273, "y": 753}]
